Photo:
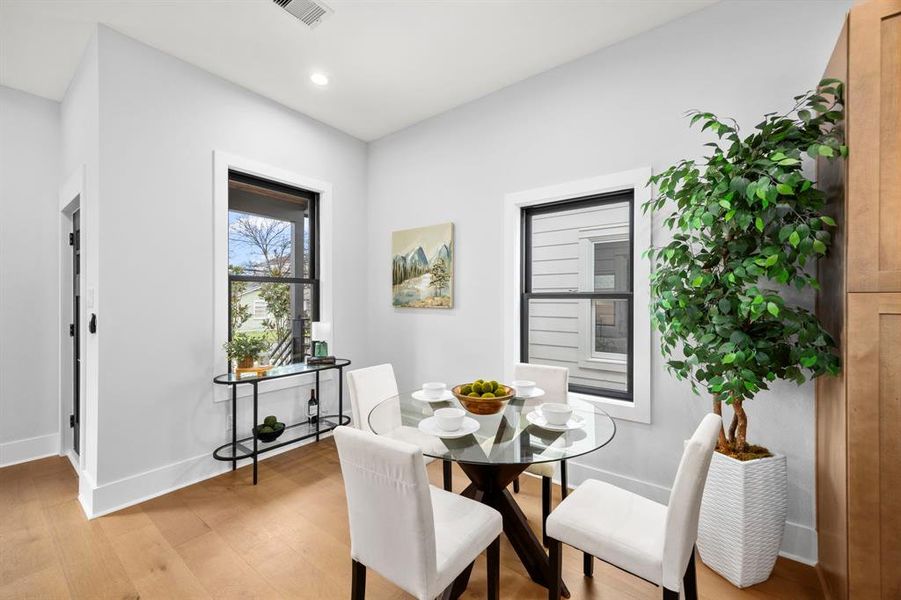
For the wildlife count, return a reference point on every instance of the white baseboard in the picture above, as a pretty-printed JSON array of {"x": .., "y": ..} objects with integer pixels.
[
  {"x": 134, "y": 489},
  {"x": 19, "y": 451},
  {"x": 799, "y": 542}
]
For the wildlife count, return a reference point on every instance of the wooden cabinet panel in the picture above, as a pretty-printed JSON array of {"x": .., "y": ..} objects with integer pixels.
[
  {"x": 832, "y": 443},
  {"x": 874, "y": 454},
  {"x": 874, "y": 136}
]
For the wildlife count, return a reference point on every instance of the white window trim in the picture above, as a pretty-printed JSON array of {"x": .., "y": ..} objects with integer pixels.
[
  {"x": 223, "y": 162},
  {"x": 639, "y": 409}
]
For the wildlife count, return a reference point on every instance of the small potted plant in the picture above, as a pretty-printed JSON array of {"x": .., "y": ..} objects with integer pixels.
[
  {"x": 747, "y": 224},
  {"x": 244, "y": 348}
]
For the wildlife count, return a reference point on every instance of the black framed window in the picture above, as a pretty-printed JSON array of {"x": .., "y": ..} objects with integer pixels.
[
  {"x": 273, "y": 267},
  {"x": 577, "y": 286}
]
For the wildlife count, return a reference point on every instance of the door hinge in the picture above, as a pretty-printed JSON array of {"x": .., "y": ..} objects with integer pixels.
[
  {"x": 72, "y": 421},
  {"x": 71, "y": 329},
  {"x": 71, "y": 239}
]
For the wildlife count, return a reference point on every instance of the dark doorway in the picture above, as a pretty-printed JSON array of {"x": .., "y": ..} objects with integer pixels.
[{"x": 75, "y": 330}]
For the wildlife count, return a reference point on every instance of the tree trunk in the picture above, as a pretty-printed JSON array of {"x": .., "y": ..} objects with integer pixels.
[
  {"x": 733, "y": 426},
  {"x": 741, "y": 432},
  {"x": 722, "y": 443}
]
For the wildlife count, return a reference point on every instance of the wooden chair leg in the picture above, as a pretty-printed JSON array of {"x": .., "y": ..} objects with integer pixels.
[
  {"x": 690, "y": 580},
  {"x": 555, "y": 557},
  {"x": 545, "y": 506},
  {"x": 494, "y": 569},
  {"x": 358, "y": 582},
  {"x": 587, "y": 565},
  {"x": 564, "y": 484},
  {"x": 516, "y": 485},
  {"x": 448, "y": 476},
  {"x": 670, "y": 594}
]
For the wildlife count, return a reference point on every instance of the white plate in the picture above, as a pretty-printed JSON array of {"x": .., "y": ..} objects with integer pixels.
[
  {"x": 536, "y": 393},
  {"x": 419, "y": 395},
  {"x": 536, "y": 418},
  {"x": 430, "y": 426}
]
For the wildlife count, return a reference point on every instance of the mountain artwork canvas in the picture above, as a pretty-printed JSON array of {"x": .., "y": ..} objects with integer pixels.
[{"x": 422, "y": 274}]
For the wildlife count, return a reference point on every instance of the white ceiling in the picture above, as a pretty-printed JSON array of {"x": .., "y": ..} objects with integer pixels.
[{"x": 391, "y": 63}]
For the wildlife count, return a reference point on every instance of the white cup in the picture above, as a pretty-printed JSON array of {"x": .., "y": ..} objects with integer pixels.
[
  {"x": 556, "y": 413},
  {"x": 433, "y": 390},
  {"x": 524, "y": 387},
  {"x": 449, "y": 419}
]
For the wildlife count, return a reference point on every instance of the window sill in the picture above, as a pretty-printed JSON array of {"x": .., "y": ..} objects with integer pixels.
[
  {"x": 636, "y": 410},
  {"x": 223, "y": 393}
]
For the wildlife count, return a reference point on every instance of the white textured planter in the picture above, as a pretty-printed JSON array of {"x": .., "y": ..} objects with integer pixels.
[{"x": 742, "y": 517}]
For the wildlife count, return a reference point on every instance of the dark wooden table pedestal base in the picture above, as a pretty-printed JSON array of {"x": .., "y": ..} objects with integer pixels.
[{"x": 489, "y": 486}]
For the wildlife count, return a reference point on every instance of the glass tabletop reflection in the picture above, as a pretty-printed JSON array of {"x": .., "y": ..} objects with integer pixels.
[{"x": 505, "y": 438}]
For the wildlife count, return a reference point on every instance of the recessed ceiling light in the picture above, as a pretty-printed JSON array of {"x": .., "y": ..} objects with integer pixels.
[{"x": 319, "y": 79}]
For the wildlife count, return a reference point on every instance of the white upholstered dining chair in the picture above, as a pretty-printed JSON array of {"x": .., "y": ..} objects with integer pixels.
[
  {"x": 555, "y": 383},
  {"x": 640, "y": 536},
  {"x": 415, "y": 535},
  {"x": 372, "y": 385}
]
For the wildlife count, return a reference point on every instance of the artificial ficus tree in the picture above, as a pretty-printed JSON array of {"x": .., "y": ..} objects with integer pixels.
[{"x": 747, "y": 223}]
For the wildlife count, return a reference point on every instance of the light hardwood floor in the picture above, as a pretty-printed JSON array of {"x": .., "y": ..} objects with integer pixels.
[{"x": 285, "y": 538}]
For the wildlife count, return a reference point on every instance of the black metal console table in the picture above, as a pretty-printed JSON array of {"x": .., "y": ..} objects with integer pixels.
[{"x": 238, "y": 449}]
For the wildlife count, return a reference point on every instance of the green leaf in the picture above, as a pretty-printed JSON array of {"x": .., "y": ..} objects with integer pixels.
[
  {"x": 809, "y": 361},
  {"x": 729, "y": 358},
  {"x": 819, "y": 246},
  {"x": 794, "y": 239},
  {"x": 825, "y": 151},
  {"x": 772, "y": 309},
  {"x": 784, "y": 189},
  {"x": 758, "y": 223},
  {"x": 725, "y": 204},
  {"x": 784, "y": 232},
  {"x": 828, "y": 220},
  {"x": 785, "y": 162}
]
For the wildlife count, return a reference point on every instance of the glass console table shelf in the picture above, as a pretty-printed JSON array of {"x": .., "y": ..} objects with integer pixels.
[
  {"x": 293, "y": 433},
  {"x": 250, "y": 447}
]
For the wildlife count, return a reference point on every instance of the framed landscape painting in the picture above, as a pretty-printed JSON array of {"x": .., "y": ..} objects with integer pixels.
[{"x": 423, "y": 267}]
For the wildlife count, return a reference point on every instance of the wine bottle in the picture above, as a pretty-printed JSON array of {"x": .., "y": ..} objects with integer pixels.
[{"x": 313, "y": 407}]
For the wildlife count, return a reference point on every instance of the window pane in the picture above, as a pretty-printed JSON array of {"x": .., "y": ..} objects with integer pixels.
[
  {"x": 611, "y": 267},
  {"x": 611, "y": 327},
  {"x": 565, "y": 253},
  {"x": 260, "y": 245},
  {"x": 279, "y": 313},
  {"x": 589, "y": 337},
  {"x": 268, "y": 229}
]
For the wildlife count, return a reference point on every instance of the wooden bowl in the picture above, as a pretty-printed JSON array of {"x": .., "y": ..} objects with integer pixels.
[{"x": 484, "y": 406}]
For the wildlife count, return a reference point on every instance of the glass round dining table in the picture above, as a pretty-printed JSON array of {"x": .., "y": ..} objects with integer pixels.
[{"x": 495, "y": 454}]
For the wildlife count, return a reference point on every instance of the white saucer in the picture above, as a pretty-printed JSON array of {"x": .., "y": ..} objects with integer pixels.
[
  {"x": 430, "y": 426},
  {"x": 536, "y": 393},
  {"x": 419, "y": 395},
  {"x": 536, "y": 418}
]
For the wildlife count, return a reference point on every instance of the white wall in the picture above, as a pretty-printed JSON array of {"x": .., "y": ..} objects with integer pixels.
[
  {"x": 80, "y": 161},
  {"x": 618, "y": 109},
  {"x": 160, "y": 121},
  {"x": 29, "y": 160}
]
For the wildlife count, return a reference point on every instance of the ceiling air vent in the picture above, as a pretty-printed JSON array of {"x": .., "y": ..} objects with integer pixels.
[{"x": 311, "y": 13}]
